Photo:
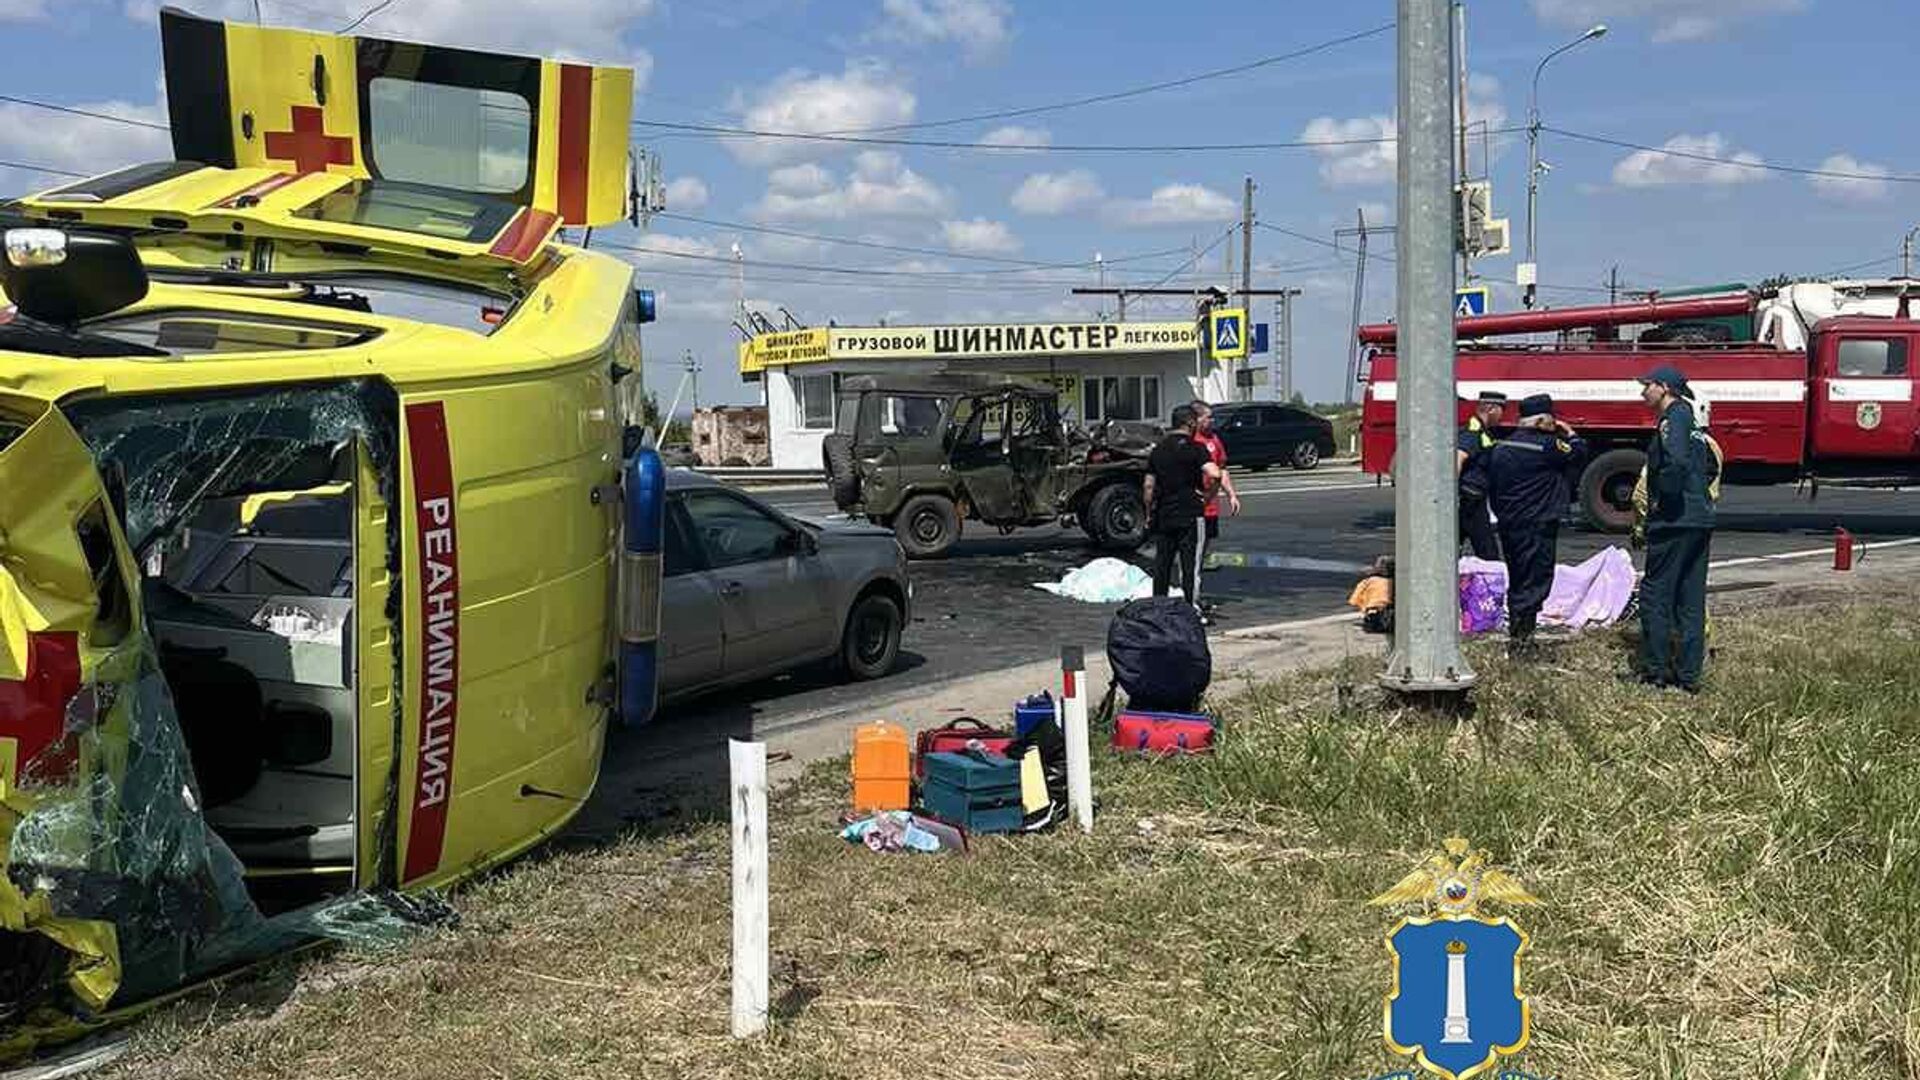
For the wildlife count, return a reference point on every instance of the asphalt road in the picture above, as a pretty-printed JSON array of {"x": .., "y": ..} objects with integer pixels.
[{"x": 977, "y": 610}]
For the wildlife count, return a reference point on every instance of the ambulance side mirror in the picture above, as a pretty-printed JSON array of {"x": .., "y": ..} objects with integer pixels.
[{"x": 65, "y": 278}]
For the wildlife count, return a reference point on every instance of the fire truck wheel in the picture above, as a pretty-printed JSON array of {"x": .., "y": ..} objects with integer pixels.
[
  {"x": 928, "y": 526},
  {"x": 1606, "y": 489}
]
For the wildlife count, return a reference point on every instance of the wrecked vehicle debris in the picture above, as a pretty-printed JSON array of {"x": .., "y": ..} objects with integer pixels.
[
  {"x": 265, "y": 474},
  {"x": 922, "y": 454}
]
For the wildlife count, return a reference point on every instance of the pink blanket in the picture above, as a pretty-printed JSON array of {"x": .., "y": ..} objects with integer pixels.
[{"x": 1593, "y": 593}]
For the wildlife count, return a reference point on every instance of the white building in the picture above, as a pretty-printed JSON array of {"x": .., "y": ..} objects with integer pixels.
[{"x": 1104, "y": 371}]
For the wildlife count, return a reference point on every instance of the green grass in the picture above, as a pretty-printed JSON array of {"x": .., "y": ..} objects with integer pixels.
[{"x": 1730, "y": 886}]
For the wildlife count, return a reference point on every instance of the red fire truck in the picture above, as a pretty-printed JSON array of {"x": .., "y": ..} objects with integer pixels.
[{"x": 1822, "y": 389}]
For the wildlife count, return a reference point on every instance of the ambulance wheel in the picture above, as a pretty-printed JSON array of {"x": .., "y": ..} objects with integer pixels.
[
  {"x": 1606, "y": 489},
  {"x": 1306, "y": 455},
  {"x": 871, "y": 642},
  {"x": 928, "y": 526},
  {"x": 1116, "y": 517}
]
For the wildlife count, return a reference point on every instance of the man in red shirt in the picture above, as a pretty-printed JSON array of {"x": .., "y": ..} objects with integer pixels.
[{"x": 1223, "y": 492}]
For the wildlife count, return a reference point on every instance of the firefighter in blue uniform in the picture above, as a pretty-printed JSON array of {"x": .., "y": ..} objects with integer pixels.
[
  {"x": 1681, "y": 468},
  {"x": 1470, "y": 467},
  {"x": 1530, "y": 478}
]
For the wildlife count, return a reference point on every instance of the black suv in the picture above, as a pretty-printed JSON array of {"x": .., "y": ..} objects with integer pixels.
[{"x": 1259, "y": 434}]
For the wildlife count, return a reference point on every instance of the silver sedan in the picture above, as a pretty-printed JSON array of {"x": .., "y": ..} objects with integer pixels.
[{"x": 749, "y": 592}]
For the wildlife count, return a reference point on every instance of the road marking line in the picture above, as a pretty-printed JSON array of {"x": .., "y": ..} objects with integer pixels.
[
  {"x": 1751, "y": 560},
  {"x": 1304, "y": 489},
  {"x": 1787, "y": 556}
]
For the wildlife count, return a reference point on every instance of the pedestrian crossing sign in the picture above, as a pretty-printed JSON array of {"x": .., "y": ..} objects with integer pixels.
[
  {"x": 1470, "y": 301},
  {"x": 1227, "y": 333}
]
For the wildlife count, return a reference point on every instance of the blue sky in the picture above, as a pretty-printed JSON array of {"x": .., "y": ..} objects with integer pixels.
[{"x": 1804, "y": 83}]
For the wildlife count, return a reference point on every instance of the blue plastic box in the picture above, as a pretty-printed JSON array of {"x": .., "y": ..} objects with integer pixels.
[{"x": 1031, "y": 713}]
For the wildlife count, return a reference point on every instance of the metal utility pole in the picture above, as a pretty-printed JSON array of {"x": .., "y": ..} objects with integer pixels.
[
  {"x": 1246, "y": 274},
  {"x": 1459, "y": 56},
  {"x": 739, "y": 280},
  {"x": 692, "y": 367},
  {"x": 1426, "y": 627},
  {"x": 1359, "y": 295},
  {"x": 1283, "y": 344},
  {"x": 1613, "y": 286},
  {"x": 1100, "y": 270},
  {"x": 1530, "y": 270},
  {"x": 1906, "y": 252}
]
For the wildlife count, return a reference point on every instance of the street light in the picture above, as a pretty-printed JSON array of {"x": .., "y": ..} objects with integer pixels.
[{"x": 1530, "y": 272}]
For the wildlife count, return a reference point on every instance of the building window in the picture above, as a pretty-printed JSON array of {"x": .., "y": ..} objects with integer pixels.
[
  {"x": 814, "y": 395},
  {"x": 1120, "y": 397}
]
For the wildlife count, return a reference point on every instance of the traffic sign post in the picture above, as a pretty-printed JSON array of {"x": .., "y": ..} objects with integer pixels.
[{"x": 1227, "y": 333}]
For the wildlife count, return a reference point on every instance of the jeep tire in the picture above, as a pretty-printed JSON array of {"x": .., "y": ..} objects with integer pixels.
[
  {"x": 927, "y": 526},
  {"x": 843, "y": 474},
  {"x": 1116, "y": 517}
]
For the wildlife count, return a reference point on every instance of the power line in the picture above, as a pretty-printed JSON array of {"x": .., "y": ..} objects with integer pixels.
[
  {"x": 89, "y": 114},
  {"x": 726, "y": 132},
  {"x": 907, "y": 249},
  {"x": 1797, "y": 170},
  {"x": 1195, "y": 257},
  {"x": 24, "y": 167},
  {"x": 812, "y": 268},
  {"x": 1137, "y": 91},
  {"x": 365, "y": 15}
]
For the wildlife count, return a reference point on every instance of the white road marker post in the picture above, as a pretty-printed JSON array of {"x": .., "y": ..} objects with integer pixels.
[
  {"x": 1073, "y": 704},
  {"x": 748, "y": 774}
]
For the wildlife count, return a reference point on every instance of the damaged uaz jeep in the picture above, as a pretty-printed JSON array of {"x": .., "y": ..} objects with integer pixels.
[{"x": 920, "y": 454}]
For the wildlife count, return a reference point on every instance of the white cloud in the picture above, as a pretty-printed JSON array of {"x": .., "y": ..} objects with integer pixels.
[
  {"x": 864, "y": 96},
  {"x": 979, "y": 27},
  {"x": 1351, "y": 158},
  {"x": 22, "y": 9},
  {"x": 1659, "y": 168},
  {"x": 1870, "y": 186},
  {"x": 585, "y": 30},
  {"x": 1058, "y": 193},
  {"x": 980, "y": 237},
  {"x": 82, "y": 145},
  {"x": 881, "y": 187},
  {"x": 663, "y": 249},
  {"x": 1673, "y": 20},
  {"x": 1015, "y": 135},
  {"x": 1175, "y": 204},
  {"x": 1365, "y": 150},
  {"x": 687, "y": 193}
]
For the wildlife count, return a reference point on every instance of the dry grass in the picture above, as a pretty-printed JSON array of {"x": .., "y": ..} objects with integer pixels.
[{"x": 1732, "y": 887}]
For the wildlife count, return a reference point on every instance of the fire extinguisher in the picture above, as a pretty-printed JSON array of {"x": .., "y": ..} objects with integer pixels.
[{"x": 1842, "y": 548}]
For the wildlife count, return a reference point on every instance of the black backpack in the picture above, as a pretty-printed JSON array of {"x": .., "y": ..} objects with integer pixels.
[{"x": 1158, "y": 650}]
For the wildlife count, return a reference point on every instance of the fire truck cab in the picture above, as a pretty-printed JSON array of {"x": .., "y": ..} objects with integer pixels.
[{"x": 1825, "y": 392}]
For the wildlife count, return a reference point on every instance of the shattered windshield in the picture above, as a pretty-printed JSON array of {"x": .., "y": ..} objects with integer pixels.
[{"x": 171, "y": 456}]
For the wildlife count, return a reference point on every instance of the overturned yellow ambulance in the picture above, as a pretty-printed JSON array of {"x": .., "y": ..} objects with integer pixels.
[{"x": 314, "y": 458}]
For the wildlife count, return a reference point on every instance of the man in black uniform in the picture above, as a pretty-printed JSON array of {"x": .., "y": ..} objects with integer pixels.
[
  {"x": 1530, "y": 478},
  {"x": 1179, "y": 474},
  {"x": 1470, "y": 468},
  {"x": 1673, "y": 594}
]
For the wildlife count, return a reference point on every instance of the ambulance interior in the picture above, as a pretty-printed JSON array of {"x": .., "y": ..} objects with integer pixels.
[
  {"x": 252, "y": 613},
  {"x": 241, "y": 516}
]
